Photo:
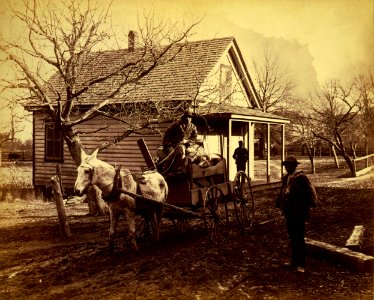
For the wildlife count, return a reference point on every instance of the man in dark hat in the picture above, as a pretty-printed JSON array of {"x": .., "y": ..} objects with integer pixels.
[
  {"x": 297, "y": 196},
  {"x": 180, "y": 135}
]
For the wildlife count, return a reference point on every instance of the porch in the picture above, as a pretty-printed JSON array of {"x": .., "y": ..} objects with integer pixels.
[{"x": 263, "y": 135}]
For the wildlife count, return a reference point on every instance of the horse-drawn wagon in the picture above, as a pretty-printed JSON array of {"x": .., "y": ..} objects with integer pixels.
[
  {"x": 196, "y": 193},
  {"x": 204, "y": 193}
]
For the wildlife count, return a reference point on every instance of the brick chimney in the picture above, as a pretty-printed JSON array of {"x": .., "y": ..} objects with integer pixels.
[{"x": 133, "y": 40}]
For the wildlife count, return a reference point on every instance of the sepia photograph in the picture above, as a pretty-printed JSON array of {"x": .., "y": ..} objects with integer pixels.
[{"x": 187, "y": 149}]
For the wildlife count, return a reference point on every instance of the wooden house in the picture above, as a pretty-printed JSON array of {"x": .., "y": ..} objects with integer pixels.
[{"x": 213, "y": 76}]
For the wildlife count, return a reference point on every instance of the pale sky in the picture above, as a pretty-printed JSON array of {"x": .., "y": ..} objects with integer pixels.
[{"x": 337, "y": 34}]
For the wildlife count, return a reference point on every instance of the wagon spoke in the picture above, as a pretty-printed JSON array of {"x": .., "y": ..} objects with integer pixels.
[
  {"x": 244, "y": 202},
  {"x": 215, "y": 214}
]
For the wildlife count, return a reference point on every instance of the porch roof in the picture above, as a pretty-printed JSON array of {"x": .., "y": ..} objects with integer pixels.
[{"x": 241, "y": 113}]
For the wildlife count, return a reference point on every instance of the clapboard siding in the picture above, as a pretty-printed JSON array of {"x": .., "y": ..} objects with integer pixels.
[{"x": 126, "y": 153}]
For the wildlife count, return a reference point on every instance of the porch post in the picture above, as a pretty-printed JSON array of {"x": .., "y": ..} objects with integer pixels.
[
  {"x": 268, "y": 154},
  {"x": 251, "y": 151},
  {"x": 228, "y": 148},
  {"x": 283, "y": 147}
]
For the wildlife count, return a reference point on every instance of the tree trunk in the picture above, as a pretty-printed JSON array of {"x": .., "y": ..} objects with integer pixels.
[
  {"x": 74, "y": 144},
  {"x": 336, "y": 160},
  {"x": 311, "y": 158},
  {"x": 353, "y": 148},
  {"x": 96, "y": 204},
  {"x": 349, "y": 163}
]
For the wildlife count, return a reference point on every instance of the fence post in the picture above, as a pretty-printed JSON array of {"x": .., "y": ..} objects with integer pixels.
[
  {"x": 57, "y": 194},
  {"x": 58, "y": 172},
  {"x": 354, "y": 167}
]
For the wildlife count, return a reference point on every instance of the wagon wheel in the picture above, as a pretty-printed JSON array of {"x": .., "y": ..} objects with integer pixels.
[
  {"x": 243, "y": 202},
  {"x": 149, "y": 226},
  {"x": 215, "y": 214},
  {"x": 180, "y": 224}
]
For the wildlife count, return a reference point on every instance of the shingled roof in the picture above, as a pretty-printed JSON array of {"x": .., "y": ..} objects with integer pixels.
[{"x": 178, "y": 79}]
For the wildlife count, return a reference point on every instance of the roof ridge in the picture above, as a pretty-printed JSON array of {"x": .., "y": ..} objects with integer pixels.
[{"x": 188, "y": 42}]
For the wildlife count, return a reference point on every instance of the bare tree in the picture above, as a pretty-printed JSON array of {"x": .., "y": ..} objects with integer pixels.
[
  {"x": 364, "y": 84},
  {"x": 274, "y": 86},
  {"x": 63, "y": 39},
  {"x": 302, "y": 128},
  {"x": 336, "y": 110},
  {"x": 10, "y": 127}
]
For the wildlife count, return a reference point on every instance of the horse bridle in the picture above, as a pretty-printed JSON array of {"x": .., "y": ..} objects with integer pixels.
[{"x": 91, "y": 169}]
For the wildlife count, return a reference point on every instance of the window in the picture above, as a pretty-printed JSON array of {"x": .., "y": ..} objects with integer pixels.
[
  {"x": 226, "y": 81},
  {"x": 53, "y": 142}
]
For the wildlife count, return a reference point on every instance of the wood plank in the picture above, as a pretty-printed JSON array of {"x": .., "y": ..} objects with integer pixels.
[
  {"x": 356, "y": 240},
  {"x": 146, "y": 155},
  {"x": 198, "y": 172},
  {"x": 355, "y": 260}
]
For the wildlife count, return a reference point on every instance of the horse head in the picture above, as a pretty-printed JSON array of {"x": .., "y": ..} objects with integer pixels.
[{"x": 86, "y": 171}]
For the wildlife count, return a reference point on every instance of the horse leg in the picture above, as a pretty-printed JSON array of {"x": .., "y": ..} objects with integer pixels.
[
  {"x": 113, "y": 217},
  {"x": 130, "y": 217},
  {"x": 156, "y": 218}
]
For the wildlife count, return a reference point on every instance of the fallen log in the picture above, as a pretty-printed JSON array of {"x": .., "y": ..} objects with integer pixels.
[
  {"x": 356, "y": 260},
  {"x": 356, "y": 240}
]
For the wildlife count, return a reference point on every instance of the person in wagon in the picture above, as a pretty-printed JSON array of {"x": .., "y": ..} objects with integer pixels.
[
  {"x": 296, "y": 197},
  {"x": 180, "y": 135}
]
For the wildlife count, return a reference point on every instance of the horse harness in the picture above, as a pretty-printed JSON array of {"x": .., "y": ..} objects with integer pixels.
[{"x": 118, "y": 186}]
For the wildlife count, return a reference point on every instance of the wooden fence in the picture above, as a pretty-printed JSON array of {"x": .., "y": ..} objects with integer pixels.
[{"x": 363, "y": 164}]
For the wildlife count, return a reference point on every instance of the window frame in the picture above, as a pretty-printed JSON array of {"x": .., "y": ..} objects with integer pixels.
[
  {"x": 226, "y": 81},
  {"x": 57, "y": 141}
]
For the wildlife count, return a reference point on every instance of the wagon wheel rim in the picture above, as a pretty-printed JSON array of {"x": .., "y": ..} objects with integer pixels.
[
  {"x": 244, "y": 202},
  {"x": 148, "y": 228},
  {"x": 215, "y": 214},
  {"x": 143, "y": 229},
  {"x": 180, "y": 224}
]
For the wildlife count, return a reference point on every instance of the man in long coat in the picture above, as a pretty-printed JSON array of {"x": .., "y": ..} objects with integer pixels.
[
  {"x": 297, "y": 196},
  {"x": 241, "y": 157}
]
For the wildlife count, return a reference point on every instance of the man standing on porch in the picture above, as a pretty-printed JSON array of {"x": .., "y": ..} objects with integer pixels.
[{"x": 241, "y": 157}]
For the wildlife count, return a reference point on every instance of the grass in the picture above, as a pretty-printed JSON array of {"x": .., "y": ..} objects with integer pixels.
[
  {"x": 16, "y": 176},
  {"x": 16, "y": 182}
]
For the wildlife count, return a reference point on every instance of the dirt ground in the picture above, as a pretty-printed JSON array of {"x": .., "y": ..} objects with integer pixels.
[{"x": 37, "y": 263}]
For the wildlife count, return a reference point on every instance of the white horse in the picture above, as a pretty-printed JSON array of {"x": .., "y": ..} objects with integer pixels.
[{"x": 93, "y": 171}]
